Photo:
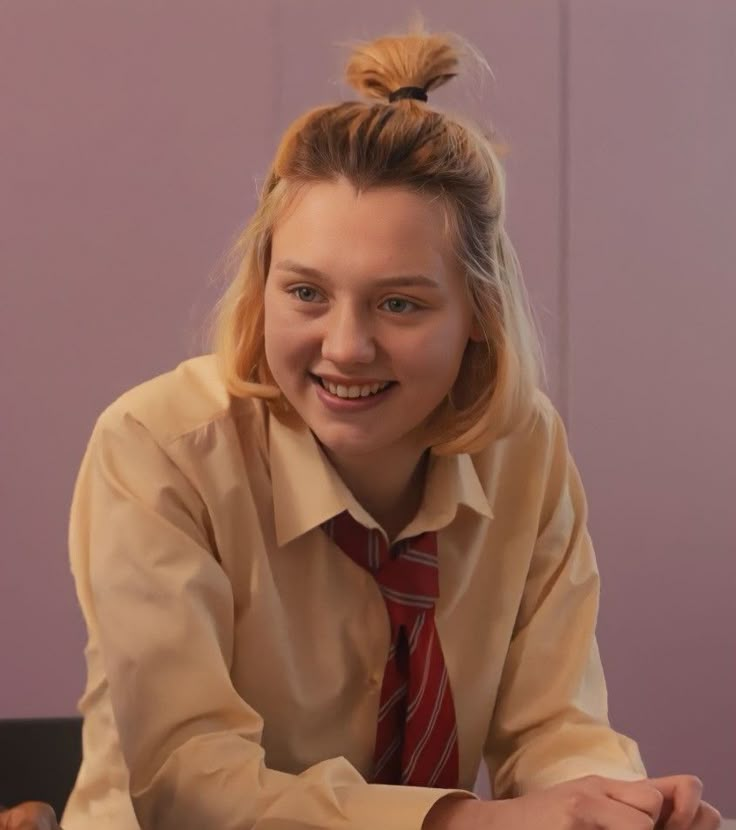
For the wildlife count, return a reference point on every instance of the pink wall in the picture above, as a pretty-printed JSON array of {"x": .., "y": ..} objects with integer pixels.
[
  {"x": 651, "y": 252},
  {"x": 131, "y": 139}
]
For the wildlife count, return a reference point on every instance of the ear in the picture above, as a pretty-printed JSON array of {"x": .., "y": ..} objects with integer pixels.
[{"x": 476, "y": 332}]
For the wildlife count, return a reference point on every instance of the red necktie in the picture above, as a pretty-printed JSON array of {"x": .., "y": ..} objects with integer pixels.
[{"x": 416, "y": 736}]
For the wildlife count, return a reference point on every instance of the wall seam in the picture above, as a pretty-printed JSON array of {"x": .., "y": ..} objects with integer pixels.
[
  {"x": 563, "y": 296},
  {"x": 277, "y": 75}
]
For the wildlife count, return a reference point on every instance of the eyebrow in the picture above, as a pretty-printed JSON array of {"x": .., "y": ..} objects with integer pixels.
[{"x": 393, "y": 282}]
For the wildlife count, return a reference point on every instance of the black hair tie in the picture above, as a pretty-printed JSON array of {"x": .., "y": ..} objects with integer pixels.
[{"x": 417, "y": 92}]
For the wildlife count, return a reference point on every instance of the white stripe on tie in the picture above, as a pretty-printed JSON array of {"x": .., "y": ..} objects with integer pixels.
[
  {"x": 410, "y": 600},
  {"x": 387, "y": 704},
  {"x": 386, "y": 757},
  {"x": 420, "y": 557},
  {"x": 430, "y": 727},
  {"x": 443, "y": 758},
  {"x": 414, "y": 636},
  {"x": 412, "y": 707}
]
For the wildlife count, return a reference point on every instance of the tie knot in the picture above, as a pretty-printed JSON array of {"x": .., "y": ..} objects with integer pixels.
[{"x": 406, "y": 572}]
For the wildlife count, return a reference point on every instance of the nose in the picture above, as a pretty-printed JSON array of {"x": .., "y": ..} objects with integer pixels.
[{"x": 347, "y": 338}]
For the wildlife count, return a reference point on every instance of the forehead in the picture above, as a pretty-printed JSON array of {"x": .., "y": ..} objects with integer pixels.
[{"x": 330, "y": 224}]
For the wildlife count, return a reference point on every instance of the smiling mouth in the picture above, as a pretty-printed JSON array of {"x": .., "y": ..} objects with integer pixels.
[{"x": 352, "y": 392}]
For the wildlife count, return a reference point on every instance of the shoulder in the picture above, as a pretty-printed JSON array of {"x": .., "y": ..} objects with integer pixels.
[
  {"x": 186, "y": 400},
  {"x": 539, "y": 437},
  {"x": 520, "y": 471}
]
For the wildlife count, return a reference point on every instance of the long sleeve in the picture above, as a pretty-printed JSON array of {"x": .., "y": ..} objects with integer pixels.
[
  {"x": 163, "y": 609},
  {"x": 551, "y": 723}
]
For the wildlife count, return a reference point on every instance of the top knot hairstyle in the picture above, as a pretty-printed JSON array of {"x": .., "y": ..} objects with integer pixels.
[
  {"x": 376, "y": 70},
  {"x": 390, "y": 141}
]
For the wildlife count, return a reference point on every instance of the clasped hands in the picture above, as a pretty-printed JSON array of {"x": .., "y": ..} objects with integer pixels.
[{"x": 589, "y": 803}]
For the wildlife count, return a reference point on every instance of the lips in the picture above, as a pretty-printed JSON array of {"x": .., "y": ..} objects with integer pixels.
[
  {"x": 350, "y": 405},
  {"x": 352, "y": 390}
]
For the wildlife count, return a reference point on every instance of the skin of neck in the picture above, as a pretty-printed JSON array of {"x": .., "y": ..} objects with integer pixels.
[{"x": 390, "y": 492}]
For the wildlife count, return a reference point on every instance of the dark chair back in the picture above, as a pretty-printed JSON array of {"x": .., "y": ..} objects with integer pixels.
[{"x": 39, "y": 760}]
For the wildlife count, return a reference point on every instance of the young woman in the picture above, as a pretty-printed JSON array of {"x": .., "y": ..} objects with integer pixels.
[{"x": 330, "y": 568}]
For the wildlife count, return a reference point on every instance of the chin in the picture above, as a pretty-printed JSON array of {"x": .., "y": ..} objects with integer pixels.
[{"x": 346, "y": 443}]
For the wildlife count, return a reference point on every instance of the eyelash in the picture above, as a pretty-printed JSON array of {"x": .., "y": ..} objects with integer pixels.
[{"x": 296, "y": 289}]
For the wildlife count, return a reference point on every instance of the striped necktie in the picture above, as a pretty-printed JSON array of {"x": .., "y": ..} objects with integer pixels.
[{"x": 416, "y": 735}]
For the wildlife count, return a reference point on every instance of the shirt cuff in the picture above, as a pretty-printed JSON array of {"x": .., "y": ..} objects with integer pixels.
[
  {"x": 394, "y": 807},
  {"x": 573, "y": 768}
]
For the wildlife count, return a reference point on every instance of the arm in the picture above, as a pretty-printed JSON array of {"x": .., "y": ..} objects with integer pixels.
[
  {"x": 163, "y": 607},
  {"x": 551, "y": 718}
]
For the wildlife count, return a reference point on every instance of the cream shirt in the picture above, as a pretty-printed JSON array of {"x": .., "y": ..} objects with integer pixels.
[{"x": 235, "y": 654}]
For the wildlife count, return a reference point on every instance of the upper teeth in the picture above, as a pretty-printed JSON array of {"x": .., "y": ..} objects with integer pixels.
[{"x": 353, "y": 391}]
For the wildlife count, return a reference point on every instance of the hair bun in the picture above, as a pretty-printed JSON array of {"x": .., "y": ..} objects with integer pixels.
[{"x": 378, "y": 68}]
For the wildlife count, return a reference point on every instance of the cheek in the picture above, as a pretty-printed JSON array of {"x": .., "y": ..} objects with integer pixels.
[
  {"x": 437, "y": 355},
  {"x": 288, "y": 346},
  {"x": 276, "y": 340},
  {"x": 273, "y": 311}
]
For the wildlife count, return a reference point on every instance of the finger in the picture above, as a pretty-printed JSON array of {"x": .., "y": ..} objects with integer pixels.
[
  {"x": 15, "y": 819},
  {"x": 706, "y": 818},
  {"x": 31, "y": 815},
  {"x": 683, "y": 794},
  {"x": 640, "y": 795},
  {"x": 44, "y": 817},
  {"x": 608, "y": 813},
  {"x": 43, "y": 814}
]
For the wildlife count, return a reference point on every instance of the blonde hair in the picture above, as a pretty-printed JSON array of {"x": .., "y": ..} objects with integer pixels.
[{"x": 401, "y": 144}]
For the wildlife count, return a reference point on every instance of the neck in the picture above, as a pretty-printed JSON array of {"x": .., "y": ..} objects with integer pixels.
[{"x": 390, "y": 491}]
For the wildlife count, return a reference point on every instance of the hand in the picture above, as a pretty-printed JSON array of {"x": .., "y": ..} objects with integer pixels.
[
  {"x": 671, "y": 803},
  {"x": 682, "y": 807},
  {"x": 589, "y": 803},
  {"x": 30, "y": 815}
]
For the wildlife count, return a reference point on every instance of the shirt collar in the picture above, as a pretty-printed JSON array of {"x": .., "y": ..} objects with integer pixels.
[
  {"x": 307, "y": 491},
  {"x": 452, "y": 480}
]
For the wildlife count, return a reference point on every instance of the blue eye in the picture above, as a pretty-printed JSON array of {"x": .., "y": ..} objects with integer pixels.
[
  {"x": 304, "y": 293},
  {"x": 398, "y": 305}
]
